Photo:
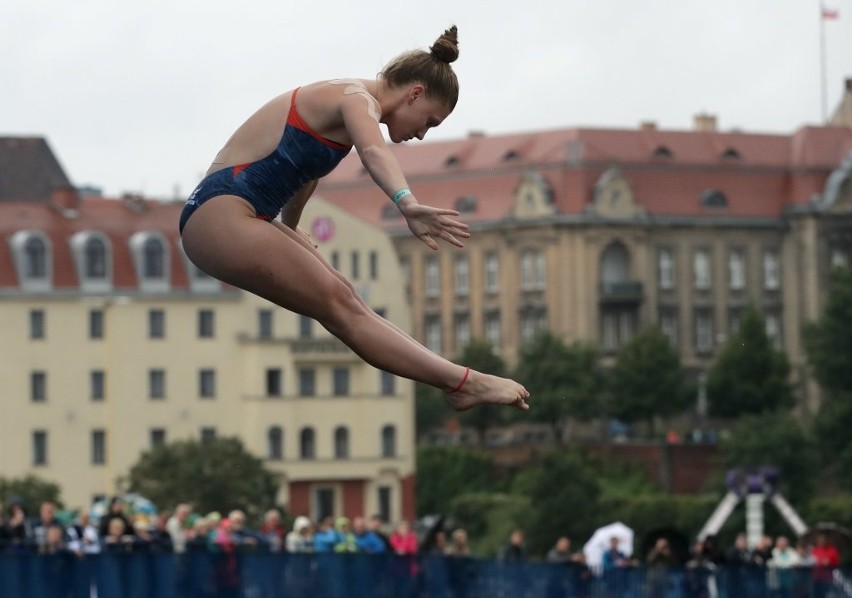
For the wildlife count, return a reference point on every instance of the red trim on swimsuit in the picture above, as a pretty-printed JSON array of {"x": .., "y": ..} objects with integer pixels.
[
  {"x": 294, "y": 119},
  {"x": 239, "y": 168}
]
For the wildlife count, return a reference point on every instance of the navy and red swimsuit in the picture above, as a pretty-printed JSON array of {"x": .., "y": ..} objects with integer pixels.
[{"x": 268, "y": 183}]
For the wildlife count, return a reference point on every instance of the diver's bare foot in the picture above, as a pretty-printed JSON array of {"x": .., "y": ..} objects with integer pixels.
[{"x": 479, "y": 389}]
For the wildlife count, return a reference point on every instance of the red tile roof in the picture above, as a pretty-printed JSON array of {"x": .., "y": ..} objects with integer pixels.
[{"x": 760, "y": 174}]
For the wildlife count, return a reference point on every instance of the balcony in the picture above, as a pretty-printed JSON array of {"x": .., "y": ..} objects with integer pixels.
[{"x": 625, "y": 291}]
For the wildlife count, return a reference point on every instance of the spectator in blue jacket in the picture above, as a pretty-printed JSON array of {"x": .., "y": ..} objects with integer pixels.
[{"x": 366, "y": 540}]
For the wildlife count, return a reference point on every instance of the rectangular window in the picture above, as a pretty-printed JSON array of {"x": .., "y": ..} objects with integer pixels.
[
  {"x": 531, "y": 321},
  {"x": 306, "y": 327},
  {"x": 540, "y": 272},
  {"x": 492, "y": 273},
  {"x": 335, "y": 260},
  {"x": 323, "y": 503},
  {"x": 265, "y": 323},
  {"x": 666, "y": 268},
  {"x": 96, "y": 324},
  {"x": 38, "y": 387},
  {"x": 99, "y": 455},
  {"x": 207, "y": 384},
  {"x": 374, "y": 265},
  {"x": 156, "y": 384},
  {"x": 208, "y": 434},
  {"x": 39, "y": 447},
  {"x": 274, "y": 382},
  {"x": 355, "y": 262},
  {"x": 206, "y": 323},
  {"x": 341, "y": 381},
  {"x": 385, "y": 495},
  {"x": 771, "y": 270},
  {"x": 492, "y": 329},
  {"x": 734, "y": 315},
  {"x": 37, "y": 318},
  {"x": 772, "y": 325},
  {"x": 701, "y": 269},
  {"x": 433, "y": 277},
  {"x": 387, "y": 384},
  {"x": 97, "y": 385},
  {"x": 703, "y": 331},
  {"x": 737, "y": 270},
  {"x": 462, "y": 325},
  {"x": 307, "y": 382},
  {"x": 158, "y": 437},
  {"x": 433, "y": 333},
  {"x": 462, "y": 275},
  {"x": 156, "y": 323},
  {"x": 668, "y": 325}
]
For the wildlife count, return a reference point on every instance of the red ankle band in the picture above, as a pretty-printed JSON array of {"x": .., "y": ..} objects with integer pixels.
[{"x": 463, "y": 380}]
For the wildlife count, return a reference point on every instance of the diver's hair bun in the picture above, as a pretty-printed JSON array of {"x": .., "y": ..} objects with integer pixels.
[{"x": 446, "y": 47}]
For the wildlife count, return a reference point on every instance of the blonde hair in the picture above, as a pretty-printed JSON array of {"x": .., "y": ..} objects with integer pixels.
[{"x": 431, "y": 68}]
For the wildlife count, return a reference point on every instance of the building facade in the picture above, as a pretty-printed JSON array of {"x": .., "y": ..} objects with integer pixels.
[
  {"x": 113, "y": 343},
  {"x": 593, "y": 234}
]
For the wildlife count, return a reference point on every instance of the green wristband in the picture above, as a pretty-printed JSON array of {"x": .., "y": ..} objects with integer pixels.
[{"x": 400, "y": 194}]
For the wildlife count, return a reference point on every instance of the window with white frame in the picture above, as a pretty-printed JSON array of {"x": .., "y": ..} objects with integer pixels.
[
  {"x": 531, "y": 321},
  {"x": 93, "y": 258},
  {"x": 492, "y": 272},
  {"x": 461, "y": 267},
  {"x": 666, "y": 268},
  {"x": 462, "y": 325},
  {"x": 31, "y": 252},
  {"x": 772, "y": 325},
  {"x": 736, "y": 269},
  {"x": 701, "y": 269},
  {"x": 771, "y": 270},
  {"x": 154, "y": 259},
  {"x": 433, "y": 333},
  {"x": 703, "y": 331},
  {"x": 532, "y": 270},
  {"x": 668, "y": 325},
  {"x": 433, "y": 277},
  {"x": 492, "y": 329}
]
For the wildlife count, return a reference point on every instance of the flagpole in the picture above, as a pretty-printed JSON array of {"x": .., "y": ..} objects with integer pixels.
[{"x": 822, "y": 60}]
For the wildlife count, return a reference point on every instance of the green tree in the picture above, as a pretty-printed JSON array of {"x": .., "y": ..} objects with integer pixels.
[
  {"x": 827, "y": 342},
  {"x": 775, "y": 440},
  {"x": 831, "y": 430},
  {"x": 446, "y": 472},
  {"x": 213, "y": 475},
  {"x": 30, "y": 491},
  {"x": 749, "y": 376},
  {"x": 563, "y": 491},
  {"x": 480, "y": 355},
  {"x": 647, "y": 380},
  {"x": 564, "y": 381},
  {"x": 431, "y": 411}
]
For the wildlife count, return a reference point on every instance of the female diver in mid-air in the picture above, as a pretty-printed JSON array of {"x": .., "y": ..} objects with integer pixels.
[{"x": 271, "y": 166}]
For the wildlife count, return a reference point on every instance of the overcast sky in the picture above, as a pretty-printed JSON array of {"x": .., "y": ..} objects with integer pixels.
[{"x": 139, "y": 95}]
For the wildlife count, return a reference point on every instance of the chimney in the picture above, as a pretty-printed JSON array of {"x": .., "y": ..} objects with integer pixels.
[
  {"x": 704, "y": 122},
  {"x": 65, "y": 199},
  {"x": 647, "y": 125}
]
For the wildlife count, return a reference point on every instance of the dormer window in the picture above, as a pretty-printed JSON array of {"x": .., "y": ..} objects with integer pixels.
[
  {"x": 151, "y": 259},
  {"x": 511, "y": 156},
  {"x": 731, "y": 154},
  {"x": 93, "y": 258},
  {"x": 31, "y": 250},
  {"x": 466, "y": 204},
  {"x": 663, "y": 153},
  {"x": 712, "y": 198}
]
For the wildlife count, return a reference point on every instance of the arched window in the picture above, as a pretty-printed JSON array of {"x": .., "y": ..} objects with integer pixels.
[
  {"x": 389, "y": 441},
  {"x": 35, "y": 253},
  {"x": 153, "y": 259},
  {"x": 275, "y": 443},
  {"x": 95, "y": 258},
  {"x": 615, "y": 264},
  {"x": 307, "y": 444},
  {"x": 341, "y": 443}
]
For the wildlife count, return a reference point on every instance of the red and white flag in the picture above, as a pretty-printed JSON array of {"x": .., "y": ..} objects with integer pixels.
[{"x": 830, "y": 14}]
